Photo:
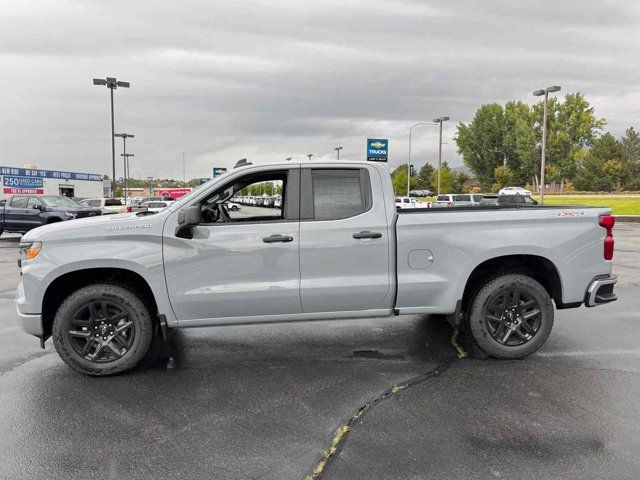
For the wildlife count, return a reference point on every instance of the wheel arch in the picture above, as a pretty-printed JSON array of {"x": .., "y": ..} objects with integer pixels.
[
  {"x": 537, "y": 267},
  {"x": 62, "y": 286}
]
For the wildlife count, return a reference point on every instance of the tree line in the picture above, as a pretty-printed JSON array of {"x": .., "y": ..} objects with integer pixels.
[{"x": 502, "y": 146}]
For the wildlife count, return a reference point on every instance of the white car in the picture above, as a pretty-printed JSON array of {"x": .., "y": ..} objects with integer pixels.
[
  {"x": 406, "y": 202},
  {"x": 155, "y": 206},
  {"x": 514, "y": 191}
]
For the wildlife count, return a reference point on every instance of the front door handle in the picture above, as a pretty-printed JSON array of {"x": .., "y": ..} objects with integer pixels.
[
  {"x": 367, "y": 234},
  {"x": 277, "y": 239}
]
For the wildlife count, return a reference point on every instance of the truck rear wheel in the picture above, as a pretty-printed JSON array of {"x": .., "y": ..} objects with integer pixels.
[
  {"x": 510, "y": 316},
  {"x": 102, "y": 329}
]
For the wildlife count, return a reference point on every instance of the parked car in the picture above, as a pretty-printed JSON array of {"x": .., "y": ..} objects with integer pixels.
[
  {"x": 158, "y": 199},
  {"x": 102, "y": 286},
  {"x": 234, "y": 207},
  {"x": 154, "y": 206},
  {"x": 107, "y": 205},
  {"x": 514, "y": 200},
  {"x": 406, "y": 202},
  {"x": 420, "y": 193},
  {"x": 514, "y": 191},
  {"x": 21, "y": 213},
  {"x": 457, "y": 200}
]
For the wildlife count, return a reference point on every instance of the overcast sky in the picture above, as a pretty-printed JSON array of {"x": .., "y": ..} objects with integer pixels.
[{"x": 268, "y": 80}]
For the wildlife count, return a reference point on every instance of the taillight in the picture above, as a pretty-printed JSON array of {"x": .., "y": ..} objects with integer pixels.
[
  {"x": 608, "y": 221},
  {"x": 129, "y": 210}
]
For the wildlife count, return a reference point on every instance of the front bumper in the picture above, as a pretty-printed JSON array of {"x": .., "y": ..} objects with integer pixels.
[
  {"x": 29, "y": 322},
  {"x": 601, "y": 291}
]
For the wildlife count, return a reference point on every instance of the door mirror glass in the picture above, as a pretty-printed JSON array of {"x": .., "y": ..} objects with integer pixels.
[{"x": 37, "y": 207}]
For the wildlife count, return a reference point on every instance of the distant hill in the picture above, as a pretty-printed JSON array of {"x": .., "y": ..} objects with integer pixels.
[{"x": 463, "y": 169}]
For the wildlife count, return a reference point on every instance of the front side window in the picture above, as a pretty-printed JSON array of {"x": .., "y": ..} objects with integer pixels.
[
  {"x": 442, "y": 198},
  {"x": 19, "y": 202},
  {"x": 462, "y": 198},
  {"x": 110, "y": 202},
  {"x": 338, "y": 193},
  {"x": 257, "y": 197}
]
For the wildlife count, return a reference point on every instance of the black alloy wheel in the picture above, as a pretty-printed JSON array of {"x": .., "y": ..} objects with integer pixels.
[{"x": 101, "y": 331}]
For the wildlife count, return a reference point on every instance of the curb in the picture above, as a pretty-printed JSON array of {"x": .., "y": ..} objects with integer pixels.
[{"x": 628, "y": 218}]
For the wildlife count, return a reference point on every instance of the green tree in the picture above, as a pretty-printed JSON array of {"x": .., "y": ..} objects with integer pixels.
[
  {"x": 450, "y": 181},
  {"x": 503, "y": 177},
  {"x": 481, "y": 142},
  {"x": 399, "y": 180},
  {"x": 631, "y": 147},
  {"x": 602, "y": 167},
  {"x": 424, "y": 181}
]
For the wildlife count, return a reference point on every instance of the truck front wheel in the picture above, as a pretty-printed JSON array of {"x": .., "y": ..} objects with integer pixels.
[
  {"x": 510, "y": 316},
  {"x": 102, "y": 329}
]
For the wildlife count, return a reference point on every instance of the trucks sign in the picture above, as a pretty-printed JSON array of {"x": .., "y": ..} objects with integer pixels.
[
  {"x": 217, "y": 171},
  {"x": 16, "y": 185},
  {"x": 377, "y": 149}
]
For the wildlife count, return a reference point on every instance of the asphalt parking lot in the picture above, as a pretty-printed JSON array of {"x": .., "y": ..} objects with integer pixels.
[{"x": 265, "y": 401}]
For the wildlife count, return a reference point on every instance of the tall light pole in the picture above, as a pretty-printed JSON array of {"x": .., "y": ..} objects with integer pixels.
[
  {"x": 440, "y": 120},
  {"x": 309, "y": 155},
  {"x": 124, "y": 137},
  {"x": 112, "y": 84},
  {"x": 126, "y": 172},
  {"x": 337, "y": 149},
  {"x": 543, "y": 165}
]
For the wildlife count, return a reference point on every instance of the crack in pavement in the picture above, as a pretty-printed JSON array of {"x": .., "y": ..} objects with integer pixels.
[{"x": 342, "y": 433}]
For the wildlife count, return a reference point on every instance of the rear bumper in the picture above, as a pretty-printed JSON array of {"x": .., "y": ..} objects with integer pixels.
[{"x": 601, "y": 291}]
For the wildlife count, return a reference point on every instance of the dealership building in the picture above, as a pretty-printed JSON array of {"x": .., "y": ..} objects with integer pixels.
[{"x": 35, "y": 181}]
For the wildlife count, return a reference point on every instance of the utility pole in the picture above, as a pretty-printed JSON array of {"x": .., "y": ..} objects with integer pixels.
[
  {"x": 124, "y": 137},
  {"x": 309, "y": 155},
  {"x": 440, "y": 120},
  {"x": 184, "y": 178},
  {"x": 543, "y": 162},
  {"x": 409, "y": 159},
  {"x": 337, "y": 149},
  {"x": 112, "y": 84}
]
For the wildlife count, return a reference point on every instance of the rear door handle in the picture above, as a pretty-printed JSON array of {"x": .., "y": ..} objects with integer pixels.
[
  {"x": 367, "y": 234},
  {"x": 277, "y": 239}
]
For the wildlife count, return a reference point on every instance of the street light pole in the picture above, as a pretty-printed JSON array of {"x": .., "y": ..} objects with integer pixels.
[
  {"x": 126, "y": 169},
  {"x": 543, "y": 162},
  {"x": 337, "y": 149},
  {"x": 309, "y": 155},
  {"x": 439, "y": 121},
  {"x": 112, "y": 83},
  {"x": 124, "y": 137}
]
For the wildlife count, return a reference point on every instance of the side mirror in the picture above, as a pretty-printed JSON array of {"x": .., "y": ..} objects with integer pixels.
[
  {"x": 188, "y": 218},
  {"x": 37, "y": 207}
]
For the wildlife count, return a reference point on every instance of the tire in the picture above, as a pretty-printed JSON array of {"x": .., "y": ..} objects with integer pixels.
[
  {"x": 119, "y": 340},
  {"x": 234, "y": 208},
  {"x": 499, "y": 327}
]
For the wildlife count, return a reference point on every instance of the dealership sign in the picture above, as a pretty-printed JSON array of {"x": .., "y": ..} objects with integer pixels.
[
  {"x": 37, "y": 173},
  {"x": 217, "y": 171},
  {"x": 377, "y": 149},
  {"x": 16, "y": 185}
]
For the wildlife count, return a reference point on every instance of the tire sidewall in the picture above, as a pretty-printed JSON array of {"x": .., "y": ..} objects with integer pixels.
[
  {"x": 136, "y": 310},
  {"x": 478, "y": 325}
]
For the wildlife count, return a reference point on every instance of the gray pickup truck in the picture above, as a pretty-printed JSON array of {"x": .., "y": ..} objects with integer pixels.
[{"x": 336, "y": 248}]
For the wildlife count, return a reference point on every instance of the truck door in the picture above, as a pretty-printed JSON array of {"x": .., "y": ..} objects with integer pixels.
[
  {"x": 344, "y": 241},
  {"x": 239, "y": 263},
  {"x": 34, "y": 210},
  {"x": 15, "y": 214}
]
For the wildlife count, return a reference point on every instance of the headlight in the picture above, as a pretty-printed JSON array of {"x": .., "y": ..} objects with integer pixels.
[
  {"x": 29, "y": 251},
  {"x": 70, "y": 214}
]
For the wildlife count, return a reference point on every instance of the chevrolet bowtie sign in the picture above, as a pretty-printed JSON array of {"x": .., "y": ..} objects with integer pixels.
[{"x": 377, "y": 149}]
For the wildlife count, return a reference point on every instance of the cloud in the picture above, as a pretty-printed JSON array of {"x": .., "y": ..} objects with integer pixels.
[{"x": 274, "y": 79}]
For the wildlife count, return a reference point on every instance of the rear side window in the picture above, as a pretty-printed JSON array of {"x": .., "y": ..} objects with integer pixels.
[
  {"x": 338, "y": 193},
  {"x": 19, "y": 202},
  {"x": 442, "y": 198},
  {"x": 462, "y": 198}
]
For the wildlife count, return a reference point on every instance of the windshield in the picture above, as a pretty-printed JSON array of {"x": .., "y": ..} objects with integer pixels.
[{"x": 59, "y": 202}]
